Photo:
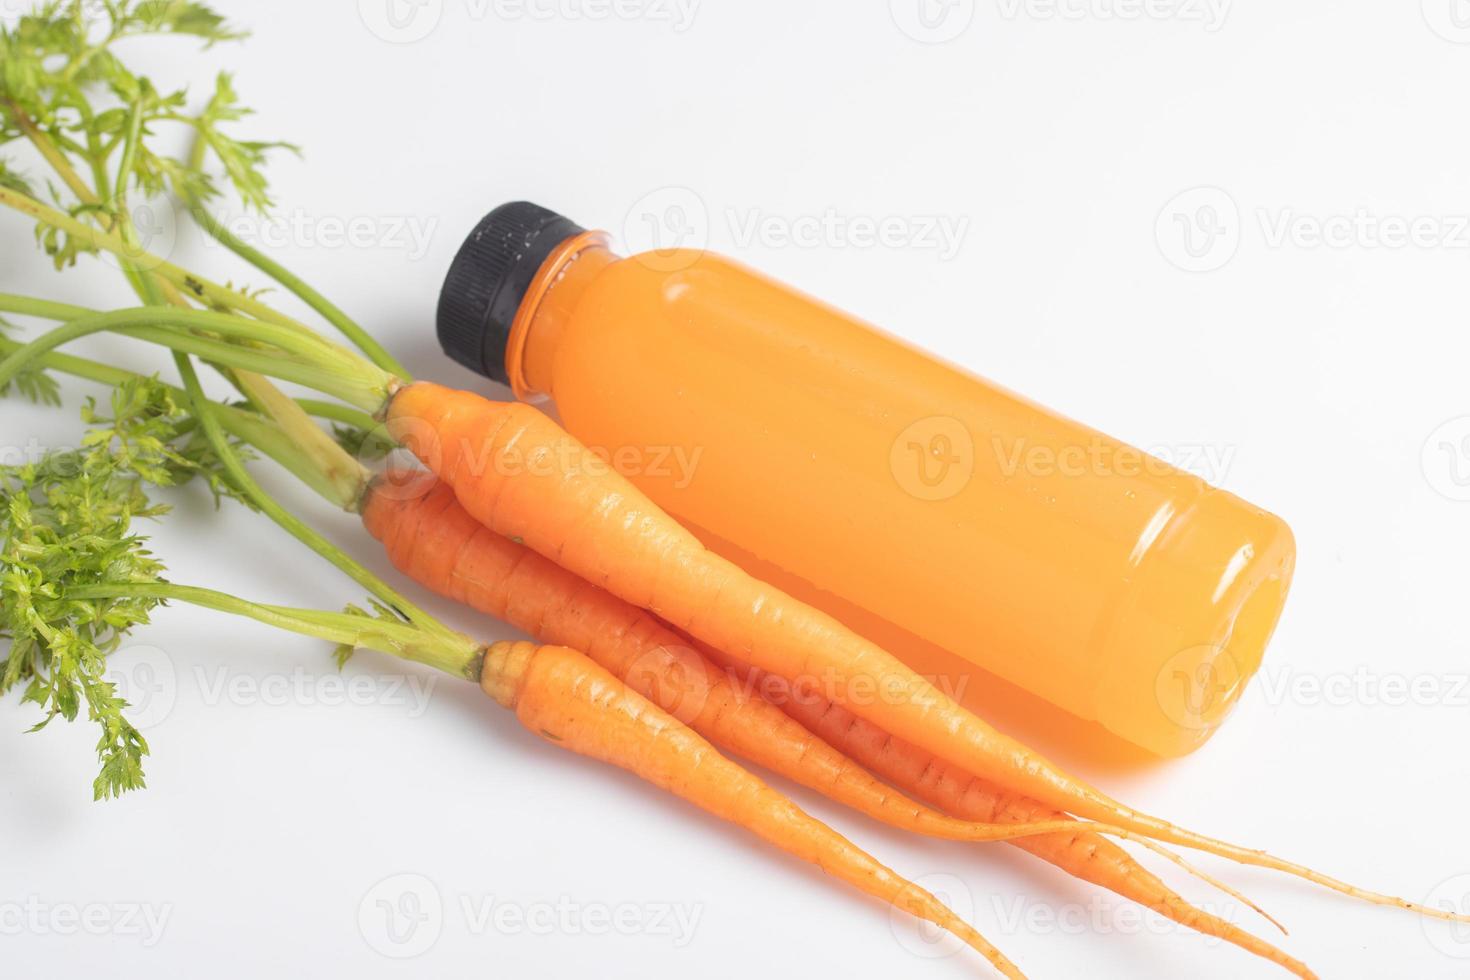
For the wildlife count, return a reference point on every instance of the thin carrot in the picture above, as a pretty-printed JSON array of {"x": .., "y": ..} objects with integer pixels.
[
  {"x": 522, "y": 476},
  {"x": 432, "y": 539},
  {"x": 1088, "y": 856},
  {"x": 575, "y": 704}
]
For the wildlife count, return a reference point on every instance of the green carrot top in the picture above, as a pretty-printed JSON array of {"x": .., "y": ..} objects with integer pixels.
[{"x": 75, "y": 573}]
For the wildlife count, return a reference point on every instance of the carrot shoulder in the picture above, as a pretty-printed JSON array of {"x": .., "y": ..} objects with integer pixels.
[{"x": 564, "y": 697}]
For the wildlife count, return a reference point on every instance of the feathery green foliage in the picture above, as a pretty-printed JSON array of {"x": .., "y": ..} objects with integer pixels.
[
  {"x": 74, "y": 575},
  {"x": 66, "y": 520},
  {"x": 64, "y": 88}
]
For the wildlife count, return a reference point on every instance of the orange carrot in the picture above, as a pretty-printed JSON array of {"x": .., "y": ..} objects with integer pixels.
[
  {"x": 522, "y": 476},
  {"x": 1088, "y": 856},
  {"x": 567, "y": 699},
  {"x": 429, "y": 537}
]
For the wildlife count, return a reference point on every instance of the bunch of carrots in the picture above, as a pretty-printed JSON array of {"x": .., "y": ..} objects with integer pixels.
[{"x": 655, "y": 654}]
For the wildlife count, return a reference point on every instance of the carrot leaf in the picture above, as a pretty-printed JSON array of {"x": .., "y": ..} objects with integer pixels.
[
  {"x": 66, "y": 521},
  {"x": 33, "y": 381},
  {"x": 11, "y": 178}
]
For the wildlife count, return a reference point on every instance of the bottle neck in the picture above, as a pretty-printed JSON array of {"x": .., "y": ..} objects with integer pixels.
[{"x": 541, "y": 319}]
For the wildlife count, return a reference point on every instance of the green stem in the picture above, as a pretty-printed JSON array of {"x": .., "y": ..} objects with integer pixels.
[
  {"x": 224, "y": 324},
  {"x": 335, "y": 464},
  {"x": 148, "y": 288},
  {"x": 197, "y": 286},
  {"x": 303, "y": 359},
  {"x": 452, "y": 653},
  {"x": 334, "y": 412},
  {"x": 333, "y": 472},
  {"x": 96, "y": 156},
  {"x": 341, "y": 490},
  {"x": 376, "y": 352},
  {"x": 290, "y": 522},
  {"x": 129, "y": 156},
  {"x": 263, "y": 434}
]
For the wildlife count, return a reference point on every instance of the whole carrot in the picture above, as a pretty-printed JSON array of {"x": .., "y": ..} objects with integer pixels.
[
  {"x": 429, "y": 537},
  {"x": 523, "y": 476},
  {"x": 567, "y": 699}
]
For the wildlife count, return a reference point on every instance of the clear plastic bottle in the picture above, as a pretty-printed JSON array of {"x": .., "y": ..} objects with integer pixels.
[{"x": 1091, "y": 574}]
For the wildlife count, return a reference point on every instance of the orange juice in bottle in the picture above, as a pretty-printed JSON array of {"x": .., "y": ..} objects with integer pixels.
[{"x": 1119, "y": 588}]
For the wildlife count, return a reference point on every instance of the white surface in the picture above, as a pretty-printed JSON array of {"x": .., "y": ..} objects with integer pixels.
[{"x": 1060, "y": 144}]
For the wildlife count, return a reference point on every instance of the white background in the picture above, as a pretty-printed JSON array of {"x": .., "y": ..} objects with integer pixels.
[{"x": 1059, "y": 139}]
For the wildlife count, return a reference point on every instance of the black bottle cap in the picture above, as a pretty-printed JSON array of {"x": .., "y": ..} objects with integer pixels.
[{"x": 488, "y": 279}]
